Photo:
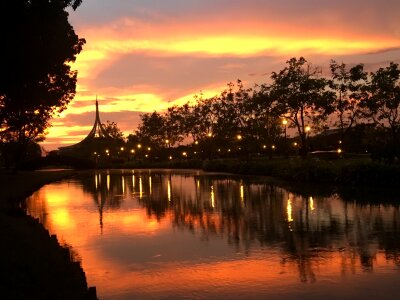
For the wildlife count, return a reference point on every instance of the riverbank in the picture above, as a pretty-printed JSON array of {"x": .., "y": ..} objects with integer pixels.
[
  {"x": 342, "y": 172},
  {"x": 33, "y": 264}
]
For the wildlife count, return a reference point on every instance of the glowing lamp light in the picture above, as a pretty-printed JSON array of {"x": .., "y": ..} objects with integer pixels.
[
  {"x": 122, "y": 148},
  {"x": 339, "y": 151},
  {"x": 167, "y": 141},
  {"x": 209, "y": 134},
  {"x": 107, "y": 151},
  {"x": 146, "y": 155},
  {"x": 184, "y": 153},
  {"x": 239, "y": 137},
  {"x": 295, "y": 144},
  {"x": 308, "y": 128},
  {"x": 170, "y": 157},
  {"x": 139, "y": 146},
  {"x": 148, "y": 148},
  {"x": 273, "y": 147},
  {"x": 94, "y": 153},
  {"x": 264, "y": 146},
  {"x": 196, "y": 142},
  {"x": 284, "y": 122},
  {"x": 132, "y": 150}
]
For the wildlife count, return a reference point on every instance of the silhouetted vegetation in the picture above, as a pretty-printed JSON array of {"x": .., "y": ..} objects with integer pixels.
[
  {"x": 58, "y": 161},
  {"x": 36, "y": 81},
  {"x": 352, "y": 111}
]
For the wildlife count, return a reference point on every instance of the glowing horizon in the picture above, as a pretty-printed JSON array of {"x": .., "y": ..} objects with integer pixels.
[{"x": 142, "y": 57}]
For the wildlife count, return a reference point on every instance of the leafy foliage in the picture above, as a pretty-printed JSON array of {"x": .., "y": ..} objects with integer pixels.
[
  {"x": 350, "y": 90},
  {"x": 113, "y": 130},
  {"x": 36, "y": 79},
  {"x": 302, "y": 96}
]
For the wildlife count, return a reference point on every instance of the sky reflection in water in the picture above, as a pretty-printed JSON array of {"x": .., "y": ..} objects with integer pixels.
[{"x": 157, "y": 234}]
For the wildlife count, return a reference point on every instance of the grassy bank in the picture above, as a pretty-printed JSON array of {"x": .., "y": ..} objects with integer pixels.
[{"x": 33, "y": 264}]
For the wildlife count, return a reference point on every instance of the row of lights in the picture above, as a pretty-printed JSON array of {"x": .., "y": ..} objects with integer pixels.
[{"x": 139, "y": 146}]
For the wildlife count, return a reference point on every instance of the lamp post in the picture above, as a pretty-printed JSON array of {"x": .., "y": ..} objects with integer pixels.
[
  {"x": 307, "y": 131},
  {"x": 284, "y": 122}
]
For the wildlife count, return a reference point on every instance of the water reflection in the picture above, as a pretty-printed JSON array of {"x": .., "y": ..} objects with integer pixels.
[{"x": 246, "y": 232}]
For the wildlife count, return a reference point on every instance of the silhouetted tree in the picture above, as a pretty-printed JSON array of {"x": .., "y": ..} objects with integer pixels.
[
  {"x": 38, "y": 45},
  {"x": 350, "y": 90},
  {"x": 227, "y": 113},
  {"x": 174, "y": 125},
  {"x": 152, "y": 128},
  {"x": 113, "y": 130},
  {"x": 263, "y": 117},
  {"x": 384, "y": 103},
  {"x": 302, "y": 96}
]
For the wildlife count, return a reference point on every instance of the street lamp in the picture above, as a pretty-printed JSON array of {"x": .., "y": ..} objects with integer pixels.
[
  {"x": 239, "y": 137},
  {"x": 284, "y": 122},
  {"x": 307, "y": 131}
]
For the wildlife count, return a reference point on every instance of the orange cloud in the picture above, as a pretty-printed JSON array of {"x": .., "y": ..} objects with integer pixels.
[{"x": 213, "y": 36}]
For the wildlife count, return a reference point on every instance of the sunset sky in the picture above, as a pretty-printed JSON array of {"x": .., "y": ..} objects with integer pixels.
[{"x": 146, "y": 55}]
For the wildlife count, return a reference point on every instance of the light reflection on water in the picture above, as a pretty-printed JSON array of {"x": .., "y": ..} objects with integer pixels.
[{"x": 153, "y": 234}]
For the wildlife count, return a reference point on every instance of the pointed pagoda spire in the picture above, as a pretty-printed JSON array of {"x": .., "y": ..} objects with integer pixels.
[
  {"x": 98, "y": 131},
  {"x": 97, "y": 110},
  {"x": 98, "y": 128}
]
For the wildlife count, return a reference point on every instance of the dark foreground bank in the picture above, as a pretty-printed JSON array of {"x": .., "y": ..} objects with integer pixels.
[{"x": 33, "y": 264}]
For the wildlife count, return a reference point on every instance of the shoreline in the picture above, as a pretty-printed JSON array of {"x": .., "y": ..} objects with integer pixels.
[
  {"x": 34, "y": 264},
  {"x": 338, "y": 172}
]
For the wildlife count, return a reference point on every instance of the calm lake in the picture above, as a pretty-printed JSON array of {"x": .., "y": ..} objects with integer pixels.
[{"x": 151, "y": 234}]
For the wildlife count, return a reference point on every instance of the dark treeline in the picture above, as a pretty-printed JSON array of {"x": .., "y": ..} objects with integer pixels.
[{"x": 350, "y": 105}]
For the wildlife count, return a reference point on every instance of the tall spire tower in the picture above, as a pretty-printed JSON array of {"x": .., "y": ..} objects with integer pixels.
[
  {"x": 98, "y": 128},
  {"x": 98, "y": 131}
]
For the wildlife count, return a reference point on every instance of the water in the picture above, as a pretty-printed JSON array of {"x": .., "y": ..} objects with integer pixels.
[{"x": 189, "y": 235}]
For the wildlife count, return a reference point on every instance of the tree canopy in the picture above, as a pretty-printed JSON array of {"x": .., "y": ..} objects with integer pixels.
[
  {"x": 302, "y": 96},
  {"x": 38, "y": 46}
]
